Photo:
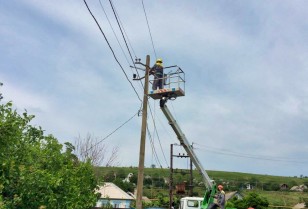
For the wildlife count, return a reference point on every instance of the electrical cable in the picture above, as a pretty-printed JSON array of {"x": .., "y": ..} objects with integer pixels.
[
  {"x": 116, "y": 57},
  {"x": 113, "y": 9},
  {"x": 112, "y": 132},
  {"x": 124, "y": 31},
  {"x": 153, "y": 147},
  {"x": 156, "y": 58},
  {"x": 149, "y": 28},
  {"x": 118, "y": 22},
  {"x": 112, "y": 50},
  {"x": 232, "y": 152},
  {"x": 153, "y": 133},
  {"x": 157, "y": 134},
  {"x": 118, "y": 39},
  {"x": 253, "y": 157},
  {"x": 113, "y": 31}
]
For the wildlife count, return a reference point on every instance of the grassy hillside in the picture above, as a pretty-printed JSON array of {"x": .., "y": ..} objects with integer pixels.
[
  {"x": 265, "y": 185},
  {"x": 231, "y": 178},
  {"x": 279, "y": 198}
]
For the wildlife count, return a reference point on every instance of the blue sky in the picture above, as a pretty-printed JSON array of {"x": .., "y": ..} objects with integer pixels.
[{"x": 246, "y": 67}]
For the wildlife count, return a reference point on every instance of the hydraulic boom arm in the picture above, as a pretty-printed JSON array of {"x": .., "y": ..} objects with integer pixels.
[
  {"x": 184, "y": 143},
  {"x": 208, "y": 198}
]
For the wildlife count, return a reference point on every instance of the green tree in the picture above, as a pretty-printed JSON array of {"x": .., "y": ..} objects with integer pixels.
[
  {"x": 134, "y": 178},
  {"x": 36, "y": 170},
  {"x": 125, "y": 186},
  {"x": 250, "y": 200},
  {"x": 110, "y": 176}
]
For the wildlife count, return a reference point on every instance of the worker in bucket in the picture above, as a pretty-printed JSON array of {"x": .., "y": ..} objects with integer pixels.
[{"x": 158, "y": 71}]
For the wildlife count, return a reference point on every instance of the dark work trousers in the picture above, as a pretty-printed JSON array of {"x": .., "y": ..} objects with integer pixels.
[{"x": 158, "y": 81}]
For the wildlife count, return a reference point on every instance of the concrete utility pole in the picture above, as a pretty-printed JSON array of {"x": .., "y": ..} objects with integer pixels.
[{"x": 143, "y": 135}]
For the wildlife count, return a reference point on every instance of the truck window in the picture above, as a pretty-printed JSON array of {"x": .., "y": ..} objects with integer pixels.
[{"x": 193, "y": 203}]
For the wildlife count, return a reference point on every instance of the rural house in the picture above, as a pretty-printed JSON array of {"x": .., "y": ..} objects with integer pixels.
[
  {"x": 299, "y": 188},
  {"x": 284, "y": 187},
  {"x": 235, "y": 194},
  {"x": 112, "y": 195}
]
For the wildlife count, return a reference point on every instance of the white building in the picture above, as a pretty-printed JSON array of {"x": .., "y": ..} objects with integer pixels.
[{"x": 114, "y": 196}]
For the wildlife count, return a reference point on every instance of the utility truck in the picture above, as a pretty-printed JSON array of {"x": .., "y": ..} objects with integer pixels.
[{"x": 174, "y": 86}]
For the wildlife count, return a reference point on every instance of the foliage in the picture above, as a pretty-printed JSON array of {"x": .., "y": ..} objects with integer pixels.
[
  {"x": 125, "y": 186},
  {"x": 35, "y": 171},
  {"x": 271, "y": 186},
  {"x": 251, "y": 200},
  {"x": 161, "y": 201},
  {"x": 305, "y": 200}
]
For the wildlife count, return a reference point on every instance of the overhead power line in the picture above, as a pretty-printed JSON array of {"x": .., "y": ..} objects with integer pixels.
[
  {"x": 146, "y": 17},
  {"x": 120, "y": 27},
  {"x": 244, "y": 155},
  {"x": 119, "y": 24},
  {"x": 155, "y": 129},
  {"x": 112, "y": 132},
  {"x": 113, "y": 31},
  {"x": 115, "y": 10},
  {"x": 153, "y": 148},
  {"x": 116, "y": 16},
  {"x": 111, "y": 49}
]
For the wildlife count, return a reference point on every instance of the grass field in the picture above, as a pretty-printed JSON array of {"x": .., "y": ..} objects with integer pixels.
[{"x": 286, "y": 199}]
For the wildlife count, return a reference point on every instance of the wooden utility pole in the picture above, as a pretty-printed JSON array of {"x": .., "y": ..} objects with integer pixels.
[
  {"x": 191, "y": 186},
  {"x": 171, "y": 178},
  {"x": 143, "y": 135}
]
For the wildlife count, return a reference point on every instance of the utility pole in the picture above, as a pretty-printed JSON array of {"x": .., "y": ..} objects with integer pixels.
[
  {"x": 171, "y": 178},
  {"x": 191, "y": 179},
  {"x": 143, "y": 136}
]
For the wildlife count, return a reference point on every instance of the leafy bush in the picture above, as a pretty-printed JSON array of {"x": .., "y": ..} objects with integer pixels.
[
  {"x": 251, "y": 200},
  {"x": 36, "y": 172}
]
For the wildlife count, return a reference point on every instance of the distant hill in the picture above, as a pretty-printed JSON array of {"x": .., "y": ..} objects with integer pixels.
[
  {"x": 271, "y": 187},
  {"x": 232, "y": 180}
]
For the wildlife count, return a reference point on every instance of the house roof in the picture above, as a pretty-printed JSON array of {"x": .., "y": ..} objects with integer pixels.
[
  {"x": 299, "y": 206},
  {"x": 112, "y": 191},
  {"x": 232, "y": 194}
]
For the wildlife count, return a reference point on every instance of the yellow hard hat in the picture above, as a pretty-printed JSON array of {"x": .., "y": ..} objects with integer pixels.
[{"x": 159, "y": 60}]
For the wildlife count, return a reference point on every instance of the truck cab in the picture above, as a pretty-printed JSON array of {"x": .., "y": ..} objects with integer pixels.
[{"x": 191, "y": 203}]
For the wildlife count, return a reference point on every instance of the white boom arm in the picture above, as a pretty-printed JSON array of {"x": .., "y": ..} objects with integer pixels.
[{"x": 185, "y": 144}]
